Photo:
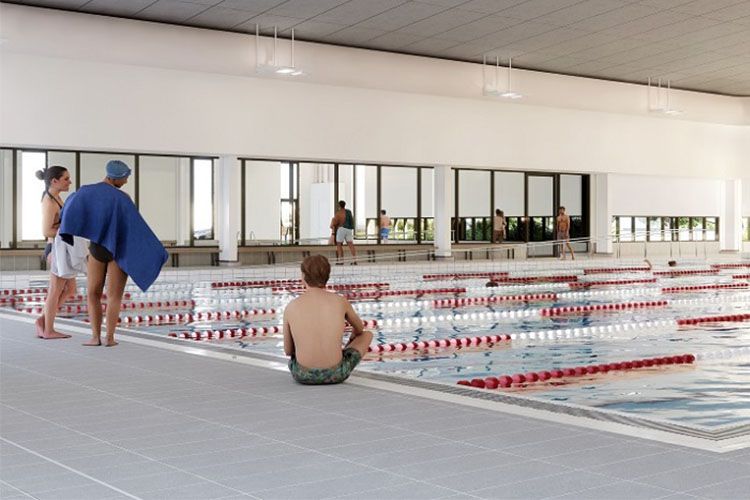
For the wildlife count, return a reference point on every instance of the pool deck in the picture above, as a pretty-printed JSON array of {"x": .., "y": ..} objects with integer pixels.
[{"x": 139, "y": 421}]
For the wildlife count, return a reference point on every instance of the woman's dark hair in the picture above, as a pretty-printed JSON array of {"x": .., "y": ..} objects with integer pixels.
[{"x": 48, "y": 175}]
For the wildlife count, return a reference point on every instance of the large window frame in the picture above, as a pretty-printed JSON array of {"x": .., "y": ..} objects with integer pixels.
[
  {"x": 522, "y": 229},
  {"x": 16, "y": 240},
  {"x": 660, "y": 228}
]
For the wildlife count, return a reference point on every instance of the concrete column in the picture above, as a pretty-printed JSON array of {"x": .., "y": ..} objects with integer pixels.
[
  {"x": 6, "y": 198},
  {"x": 228, "y": 207},
  {"x": 601, "y": 213},
  {"x": 183, "y": 201},
  {"x": 443, "y": 197},
  {"x": 730, "y": 219}
]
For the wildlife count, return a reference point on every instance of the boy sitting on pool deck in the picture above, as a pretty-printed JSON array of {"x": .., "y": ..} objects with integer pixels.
[{"x": 314, "y": 330}]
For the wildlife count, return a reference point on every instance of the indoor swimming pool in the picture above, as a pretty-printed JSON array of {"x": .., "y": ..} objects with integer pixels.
[{"x": 588, "y": 335}]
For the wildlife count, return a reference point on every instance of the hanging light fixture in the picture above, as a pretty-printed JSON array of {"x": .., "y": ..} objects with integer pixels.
[
  {"x": 662, "y": 104},
  {"x": 274, "y": 68},
  {"x": 494, "y": 90}
]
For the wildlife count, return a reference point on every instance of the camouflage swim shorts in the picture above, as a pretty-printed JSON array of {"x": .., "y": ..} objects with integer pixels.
[{"x": 350, "y": 358}]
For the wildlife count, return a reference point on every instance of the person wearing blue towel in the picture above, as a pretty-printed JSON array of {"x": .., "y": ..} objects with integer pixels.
[{"x": 121, "y": 245}]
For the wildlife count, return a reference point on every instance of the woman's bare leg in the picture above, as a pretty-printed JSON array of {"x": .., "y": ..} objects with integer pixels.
[
  {"x": 97, "y": 272},
  {"x": 54, "y": 294},
  {"x": 115, "y": 289}
]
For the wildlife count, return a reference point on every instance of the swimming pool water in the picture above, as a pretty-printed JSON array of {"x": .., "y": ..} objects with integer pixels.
[{"x": 712, "y": 393}]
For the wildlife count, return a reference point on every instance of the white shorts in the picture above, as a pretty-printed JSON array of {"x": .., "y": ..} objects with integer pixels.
[{"x": 343, "y": 234}]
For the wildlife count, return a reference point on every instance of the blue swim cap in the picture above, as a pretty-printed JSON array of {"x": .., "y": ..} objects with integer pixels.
[{"x": 117, "y": 169}]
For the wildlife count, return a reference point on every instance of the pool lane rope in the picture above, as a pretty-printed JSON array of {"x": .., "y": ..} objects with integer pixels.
[
  {"x": 461, "y": 276},
  {"x": 293, "y": 283},
  {"x": 530, "y": 378},
  {"x": 701, "y": 288},
  {"x": 731, "y": 266},
  {"x": 559, "y": 311},
  {"x": 584, "y": 284},
  {"x": 441, "y": 303},
  {"x": 613, "y": 270}
]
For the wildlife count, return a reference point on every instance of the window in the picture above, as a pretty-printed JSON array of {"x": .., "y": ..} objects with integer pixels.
[
  {"x": 628, "y": 229},
  {"x": 639, "y": 228},
  {"x": 746, "y": 228},
  {"x": 31, "y": 194},
  {"x": 655, "y": 231},
  {"x": 710, "y": 229},
  {"x": 203, "y": 199}
]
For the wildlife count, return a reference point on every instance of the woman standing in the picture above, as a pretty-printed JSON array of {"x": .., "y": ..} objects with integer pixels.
[{"x": 56, "y": 180}]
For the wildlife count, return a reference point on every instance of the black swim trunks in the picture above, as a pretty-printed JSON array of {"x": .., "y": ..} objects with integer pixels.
[
  {"x": 47, "y": 250},
  {"x": 100, "y": 253}
]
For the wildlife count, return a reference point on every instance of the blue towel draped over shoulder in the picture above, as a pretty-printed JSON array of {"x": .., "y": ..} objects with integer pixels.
[{"x": 105, "y": 215}]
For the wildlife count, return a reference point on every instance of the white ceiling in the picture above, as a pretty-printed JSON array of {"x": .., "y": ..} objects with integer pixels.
[{"x": 701, "y": 45}]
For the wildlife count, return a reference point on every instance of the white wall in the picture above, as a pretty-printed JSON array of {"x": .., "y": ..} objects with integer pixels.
[
  {"x": 655, "y": 195},
  {"x": 746, "y": 197},
  {"x": 152, "y": 87}
]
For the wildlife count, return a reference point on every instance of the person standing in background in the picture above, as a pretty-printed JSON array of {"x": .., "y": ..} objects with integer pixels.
[
  {"x": 344, "y": 232},
  {"x": 563, "y": 233},
  {"x": 498, "y": 226},
  {"x": 385, "y": 226}
]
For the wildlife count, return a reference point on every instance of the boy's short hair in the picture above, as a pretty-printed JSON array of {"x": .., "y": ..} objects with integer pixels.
[
  {"x": 316, "y": 269},
  {"x": 342, "y": 203}
]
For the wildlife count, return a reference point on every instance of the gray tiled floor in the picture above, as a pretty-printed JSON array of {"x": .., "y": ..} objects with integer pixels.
[{"x": 140, "y": 422}]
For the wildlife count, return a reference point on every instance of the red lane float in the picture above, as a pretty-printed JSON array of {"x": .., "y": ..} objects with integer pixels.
[
  {"x": 458, "y": 276},
  {"x": 424, "y": 344},
  {"x": 332, "y": 288},
  {"x": 686, "y": 272},
  {"x": 201, "y": 316},
  {"x": 158, "y": 304},
  {"x": 741, "y": 276},
  {"x": 505, "y": 381},
  {"x": 609, "y": 270},
  {"x": 227, "y": 333},
  {"x": 730, "y": 266},
  {"x": 73, "y": 298},
  {"x": 714, "y": 319},
  {"x": 539, "y": 279},
  {"x": 391, "y": 293},
  {"x": 254, "y": 283},
  {"x": 492, "y": 300},
  {"x": 698, "y": 288},
  {"x": 586, "y": 284},
  {"x": 559, "y": 311},
  {"x": 295, "y": 283}
]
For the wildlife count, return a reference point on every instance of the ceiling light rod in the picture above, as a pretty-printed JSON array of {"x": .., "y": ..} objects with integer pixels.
[
  {"x": 667, "y": 109},
  {"x": 495, "y": 91},
  {"x": 274, "y": 67}
]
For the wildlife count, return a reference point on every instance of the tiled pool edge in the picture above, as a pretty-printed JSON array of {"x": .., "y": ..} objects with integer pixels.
[{"x": 725, "y": 440}]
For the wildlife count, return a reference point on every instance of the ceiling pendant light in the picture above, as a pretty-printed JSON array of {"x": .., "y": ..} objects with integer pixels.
[
  {"x": 494, "y": 90},
  {"x": 662, "y": 104},
  {"x": 274, "y": 68}
]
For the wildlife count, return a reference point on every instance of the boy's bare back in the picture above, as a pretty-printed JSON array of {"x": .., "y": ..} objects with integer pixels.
[{"x": 316, "y": 322}]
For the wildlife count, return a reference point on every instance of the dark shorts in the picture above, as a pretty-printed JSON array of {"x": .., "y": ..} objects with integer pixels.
[
  {"x": 47, "y": 250},
  {"x": 350, "y": 358},
  {"x": 563, "y": 235},
  {"x": 100, "y": 253}
]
